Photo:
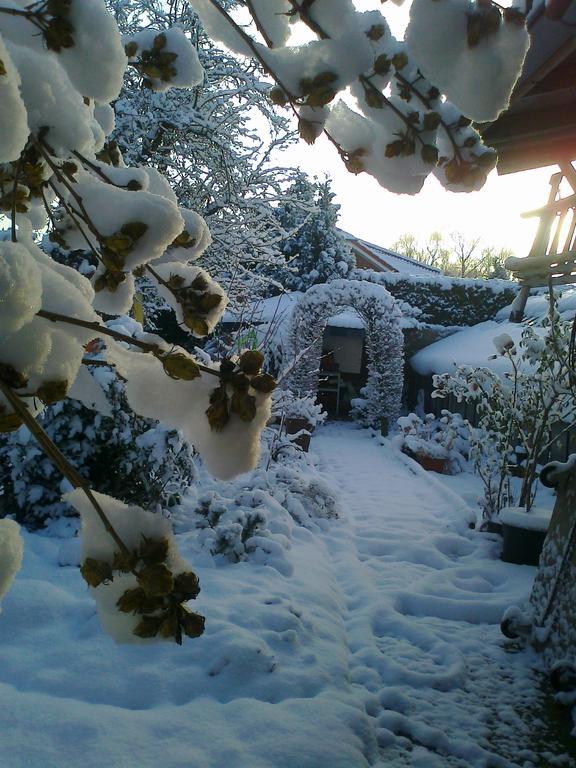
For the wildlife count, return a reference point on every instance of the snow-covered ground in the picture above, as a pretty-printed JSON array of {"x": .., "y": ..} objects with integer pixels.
[{"x": 376, "y": 643}]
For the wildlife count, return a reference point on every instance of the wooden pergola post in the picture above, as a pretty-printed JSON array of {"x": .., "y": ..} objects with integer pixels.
[{"x": 552, "y": 257}]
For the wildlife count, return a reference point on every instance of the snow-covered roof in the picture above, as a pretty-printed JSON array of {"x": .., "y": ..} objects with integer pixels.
[
  {"x": 383, "y": 259},
  {"x": 475, "y": 345}
]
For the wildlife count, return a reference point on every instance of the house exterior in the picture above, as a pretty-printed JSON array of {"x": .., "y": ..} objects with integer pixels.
[{"x": 379, "y": 259}]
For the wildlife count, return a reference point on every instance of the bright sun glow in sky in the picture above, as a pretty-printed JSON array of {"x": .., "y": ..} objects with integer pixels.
[{"x": 374, "y": 214}]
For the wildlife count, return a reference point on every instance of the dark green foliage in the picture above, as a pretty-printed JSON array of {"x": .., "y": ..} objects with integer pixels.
[
  {"x": 447, "y": 300},
  {"x": 124, "y": 456}
]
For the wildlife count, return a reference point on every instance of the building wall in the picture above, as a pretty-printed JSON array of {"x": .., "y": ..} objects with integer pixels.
[{"x": 346, "y": 344}]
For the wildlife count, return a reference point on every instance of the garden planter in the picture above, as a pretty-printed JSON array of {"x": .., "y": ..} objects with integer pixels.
[
  {"x": 523, "y": 534},
  {"x": 430, "y": 463},
  {"x": 293, "y": 426}
]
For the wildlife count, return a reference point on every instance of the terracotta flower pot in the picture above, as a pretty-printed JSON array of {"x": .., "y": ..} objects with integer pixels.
[{"x": 431, "y": 464}]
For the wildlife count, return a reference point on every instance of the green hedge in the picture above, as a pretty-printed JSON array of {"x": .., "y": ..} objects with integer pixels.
[{"x": 446, "y": 300}]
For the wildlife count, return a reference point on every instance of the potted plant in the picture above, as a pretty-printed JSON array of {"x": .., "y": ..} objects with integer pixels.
[
  {"x": 298, "y": 416},
  {"x": 437, "y": 444},
  {"x": 523, "y": 534}
]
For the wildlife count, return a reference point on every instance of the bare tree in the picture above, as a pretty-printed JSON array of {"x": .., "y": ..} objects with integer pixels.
[{"x": 464, "y": 252}]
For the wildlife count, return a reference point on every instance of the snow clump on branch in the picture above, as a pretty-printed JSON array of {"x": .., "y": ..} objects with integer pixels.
[
  {"x": 380, "y": 100},
  {"x": 61, "y": 63}
]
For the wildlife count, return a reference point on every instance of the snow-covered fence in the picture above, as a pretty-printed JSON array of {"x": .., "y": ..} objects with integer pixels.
[{"x": 384, "y": 342}]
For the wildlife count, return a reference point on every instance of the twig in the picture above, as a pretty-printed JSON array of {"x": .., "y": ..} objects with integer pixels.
[{"x": 102, "y": 330}]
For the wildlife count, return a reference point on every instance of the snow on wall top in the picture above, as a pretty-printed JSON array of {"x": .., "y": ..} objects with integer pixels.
[
  {"x": 388, "y": 259},
  {"x": 475, "y": 345}
]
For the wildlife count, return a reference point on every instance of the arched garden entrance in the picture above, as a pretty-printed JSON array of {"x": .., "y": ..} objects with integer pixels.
[{"x": 381, "y": 317}]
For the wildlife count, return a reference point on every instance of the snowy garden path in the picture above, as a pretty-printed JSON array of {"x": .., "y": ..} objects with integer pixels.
[
  {"x": 366, "y": 642},
  {"x": 424, "y": 598}
]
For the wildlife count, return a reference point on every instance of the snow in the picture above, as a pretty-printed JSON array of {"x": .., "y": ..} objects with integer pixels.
[
  {"x": 111, "y": 208},
  {"x": 538, "y": 306},
  {"x": 13, "y": 117},
  {"x": 96, "y": 62},
  {"x": 11, "y": 551},
  {"x": 183, "y": 404},
  {"x": 273, "y": 15},
  {"x": 381, "y": 647},
  {"x": 537, "y": 519},
  {"x": 218, "y": 28},
  {"x": 168, "y": 271},
  {"x": 20, "y": 287},
  {"x": 477, "y": 79},
  {"x": 133, "y": 525},
  {"x": 186, "y": 70},
  {"x": 387, "y": 258},
  {"x": 473, "y": 346},
  {"x": 51, "y": 99}
]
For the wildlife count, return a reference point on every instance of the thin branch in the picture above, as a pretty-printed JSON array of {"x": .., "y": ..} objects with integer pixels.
[{"x": 102, "y": 330}]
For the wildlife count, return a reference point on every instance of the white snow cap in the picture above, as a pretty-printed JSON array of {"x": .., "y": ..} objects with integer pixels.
[
  {"x": 477, "y": 78},
  {"x": 131, "y": 524},
  {"x": 503, "y": 343},
  {"x": 13, "y": 117},
  {"x": 52, "y": 101},
  {"x": 11, "y": 551},
  {"x": 182, "y": 405},
  {"x": 273, "y": 15},
  {"x": 172, "y": 59},
  {"x": 20, "y": 287},
  {"x": 96, "y": 62},
  {"x": 218, "y": 28},
  {"x": 199, "y": 238}
]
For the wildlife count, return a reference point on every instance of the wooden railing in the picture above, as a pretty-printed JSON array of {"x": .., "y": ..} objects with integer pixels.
[{"x": 552, "y": 257}]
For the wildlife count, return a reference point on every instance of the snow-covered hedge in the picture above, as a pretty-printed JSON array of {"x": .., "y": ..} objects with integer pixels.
[
  {"x": 253, "y": 518},
  {"x": 384, "y": 343},
  {"x": 446, "y": 300}
]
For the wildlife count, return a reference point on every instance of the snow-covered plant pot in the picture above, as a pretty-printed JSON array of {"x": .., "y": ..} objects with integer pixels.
[
  {"x": 523, "y": 534},
  {"x": 438, "y": 445},
  {"x": 430, "y": 456}
]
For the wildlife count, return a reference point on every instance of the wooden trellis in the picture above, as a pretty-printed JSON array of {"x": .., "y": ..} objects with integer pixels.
[{"x": 552, "y": 258}]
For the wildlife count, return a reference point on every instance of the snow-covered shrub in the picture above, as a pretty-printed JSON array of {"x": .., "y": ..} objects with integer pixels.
[
  {"x": 523, "y": 411},
  {"x": 446, "y": 300},
  {"x": 384, "y": 343},
  {"x": 104, "y": 448},
  {"x": 253, "y": 517},
  {"x": 243, "y": 524},
  {"x": 445, "y": 437}
]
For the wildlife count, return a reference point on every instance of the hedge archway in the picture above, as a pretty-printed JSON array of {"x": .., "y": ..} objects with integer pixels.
[{"x": 384, "y": 343}]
